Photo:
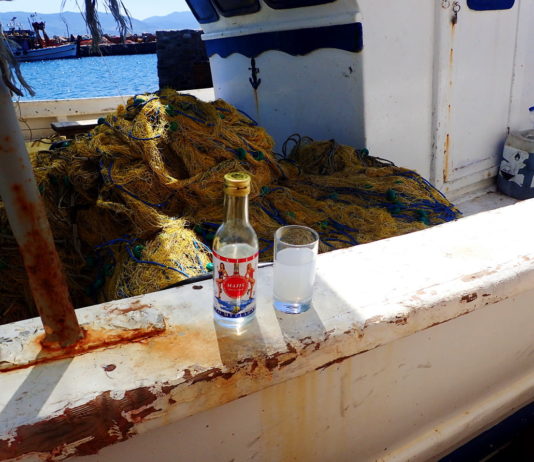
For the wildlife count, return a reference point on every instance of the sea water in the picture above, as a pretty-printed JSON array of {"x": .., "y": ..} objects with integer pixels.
[
  {"x": 236, "y": 267},
  {"x": 294, "y": 274},
  {"x": 91, "y": 77}
]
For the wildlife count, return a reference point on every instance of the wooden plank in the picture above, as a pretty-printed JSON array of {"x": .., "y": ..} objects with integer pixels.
[{"x": 73, "y": 127}]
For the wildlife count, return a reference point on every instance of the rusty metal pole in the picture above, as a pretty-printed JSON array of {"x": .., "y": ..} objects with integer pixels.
[{"x": 27, "y": 217}]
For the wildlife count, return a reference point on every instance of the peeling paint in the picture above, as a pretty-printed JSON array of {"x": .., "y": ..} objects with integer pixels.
[
  {"x": 468, "y": 298},
  {"x": 82, "y": 430}
]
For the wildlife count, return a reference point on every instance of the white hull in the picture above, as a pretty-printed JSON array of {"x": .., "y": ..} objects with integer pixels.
[{"x": 41, "y": 54}]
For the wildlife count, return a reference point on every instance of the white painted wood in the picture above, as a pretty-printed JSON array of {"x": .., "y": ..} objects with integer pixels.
[
  {"x": 414, "y": 399},
  {"x": 415, "y": 344},
  {"x": 521, "y": 85},
  {"x": 480, "y": 92},
  {"x": 297, "y": 94},
  {"x": 35, "y": 117},
  {"x": 399, "y": 53},
  {"x": 481, "y": 58},
  {"x": 436, "y": 97}
]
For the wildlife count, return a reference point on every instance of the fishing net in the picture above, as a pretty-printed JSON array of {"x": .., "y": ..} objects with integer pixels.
[{"x": 135, "y": 203}]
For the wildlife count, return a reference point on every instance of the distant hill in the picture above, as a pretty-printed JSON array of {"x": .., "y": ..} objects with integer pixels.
[
  {"x": 55, "y": 25},
  {"x": 174, "y": 21}
]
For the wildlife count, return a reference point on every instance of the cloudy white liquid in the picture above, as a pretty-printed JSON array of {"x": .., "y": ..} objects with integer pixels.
[{"x": 294, "y": 274}]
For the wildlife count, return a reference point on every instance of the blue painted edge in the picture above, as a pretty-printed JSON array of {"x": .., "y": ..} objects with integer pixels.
[
  {"x": 505, "y": 432},
  {"x": 486, "y": 5},
  {"x": 347, "y": 37}
]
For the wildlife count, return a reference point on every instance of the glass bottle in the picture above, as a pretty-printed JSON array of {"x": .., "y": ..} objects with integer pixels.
[{"x": 235, "y": 257}]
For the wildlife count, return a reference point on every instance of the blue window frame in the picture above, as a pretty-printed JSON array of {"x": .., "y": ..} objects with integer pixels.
[
  {"x": 484, "y": 5},
  {"x": 237, "y": 7},
  {"x": 203, "y": 11},
  {"x": 287, "y": 4}
]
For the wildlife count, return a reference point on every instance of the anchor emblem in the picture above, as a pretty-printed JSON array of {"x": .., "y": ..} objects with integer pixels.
[{"x": 254, "y": 71}]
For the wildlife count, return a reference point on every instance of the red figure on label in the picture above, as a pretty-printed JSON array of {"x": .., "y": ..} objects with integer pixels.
[
  {"x": 222, "y": 274},
  {"x": 249, "y": 275}
]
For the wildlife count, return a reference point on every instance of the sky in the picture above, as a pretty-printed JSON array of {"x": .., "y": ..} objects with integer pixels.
[{"x": 139, "y": 9}]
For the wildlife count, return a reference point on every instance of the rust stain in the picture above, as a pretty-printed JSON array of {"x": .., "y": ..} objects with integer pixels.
[
  {"x": 478, "y": 275},
  {"x": 399, "y": 320},
  {"x": 45, "y": 273},
  {"x": 137, "y": 416},
  {"x": 244, "y": 362},
  {"x": 7, "y": 147},
  {"x": 451, "y": 57},
  {"x": 338, "y": 360},
  {"x": 110, "y": 367},
  {"x": 93, "y": 339},
  {"x": 446, "y": 152},
  {"x": 210, "y": 374},
  {"x": 256, "y": 100},
  {"x": 136, "y": 305},
  {"x": 271, "y": 363},
  {"x": 98, "y": 423},
  {"x": 282, "y": 358},
  {"x": 254, "y": 366},
  {"x": 287, "y": 362},
  {"x": 468, "y": 298}
]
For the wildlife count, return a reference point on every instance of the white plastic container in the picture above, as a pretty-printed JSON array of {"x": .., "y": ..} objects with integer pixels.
[{"x": 516, "y": 172}]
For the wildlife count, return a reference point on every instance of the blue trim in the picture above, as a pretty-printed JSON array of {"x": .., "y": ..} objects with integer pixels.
[
  {"x": 347, "y": 37},
  {"x": 485, "y": 5},
  {"x": 503, "y": 436}
]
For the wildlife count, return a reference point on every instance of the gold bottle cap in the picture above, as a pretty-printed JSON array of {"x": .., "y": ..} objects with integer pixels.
[{"x": 237, "y": 183}]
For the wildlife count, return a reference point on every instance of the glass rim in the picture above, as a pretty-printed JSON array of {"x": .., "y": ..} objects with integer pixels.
[{"x": 315, "y": 234}]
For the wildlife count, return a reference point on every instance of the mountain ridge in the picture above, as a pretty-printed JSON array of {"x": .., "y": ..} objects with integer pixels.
[{"x": 55, "y": 22}]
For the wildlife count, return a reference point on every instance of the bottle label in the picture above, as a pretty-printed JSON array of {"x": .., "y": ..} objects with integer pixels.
[{"x": 234, "y": 285}]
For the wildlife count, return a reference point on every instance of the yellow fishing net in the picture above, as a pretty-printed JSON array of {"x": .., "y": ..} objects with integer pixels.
[{"x": 134, "y": 204}]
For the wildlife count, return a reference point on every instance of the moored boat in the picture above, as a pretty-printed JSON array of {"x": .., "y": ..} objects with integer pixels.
[
  {"x": 28, "y": 45},
  {"x": 69, "y": 50}
]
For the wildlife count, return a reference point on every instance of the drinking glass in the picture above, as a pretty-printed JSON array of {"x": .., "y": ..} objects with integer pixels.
[{"x": 295, "y": 254}]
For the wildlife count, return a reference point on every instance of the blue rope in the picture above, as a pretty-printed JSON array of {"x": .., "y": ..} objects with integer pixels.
[
  {"x": 122, "y": 188},
  {"x": 274, "y": 214},
  {"x": 269, "y": 245},
  {"x": 139, "y": 104},
  {"x": 129, "y": 242},
  {"x": 161, "y": 265},
  {"x": 254, "y": 123},
  {"x": 129, "y": 134}
]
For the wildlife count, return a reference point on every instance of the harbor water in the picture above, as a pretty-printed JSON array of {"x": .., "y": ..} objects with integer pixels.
[{"x": 91, "y": 77}]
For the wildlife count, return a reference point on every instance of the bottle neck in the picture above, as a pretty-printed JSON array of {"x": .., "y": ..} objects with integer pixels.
[{"x": 236, "y": 208}]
